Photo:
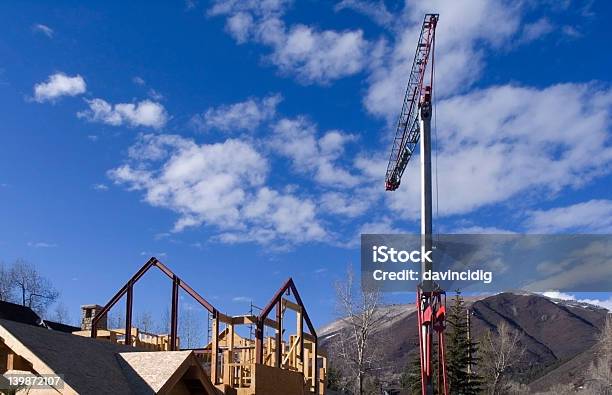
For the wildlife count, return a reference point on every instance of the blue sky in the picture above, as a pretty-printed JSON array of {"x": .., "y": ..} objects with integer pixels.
[{"x": 246, "y": 141}]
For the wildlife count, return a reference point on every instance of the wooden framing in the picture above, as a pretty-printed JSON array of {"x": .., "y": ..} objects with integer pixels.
[
  {"x": 214, "y": 368},
  {"x": 232, "y": 365},
  {"x": 279, "y": 302},
  {"x": 128, "y": 288}
]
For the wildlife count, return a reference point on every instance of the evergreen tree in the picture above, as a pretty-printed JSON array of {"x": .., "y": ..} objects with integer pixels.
[
  {"x": 410, "y": 381},
  {"x": 460, "y": 351},
  {"x": 334, "y": 379}
]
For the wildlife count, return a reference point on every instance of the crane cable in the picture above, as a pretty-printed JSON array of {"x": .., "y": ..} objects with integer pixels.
[{"x": 435, "y": 116}]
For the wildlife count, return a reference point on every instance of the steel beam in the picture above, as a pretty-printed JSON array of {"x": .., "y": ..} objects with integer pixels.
[
  {"x": 120, "y": 294},
  {"x": 279, "y": 335},
  {"x": 259, "y": 333},
  {"x": 214, "y": 356},
  {"x": 128, "y": 314},
  {"x": 426, "y": 200},
  {"x": 315, "y": 368},
  {"x": 174, "y": 314}
]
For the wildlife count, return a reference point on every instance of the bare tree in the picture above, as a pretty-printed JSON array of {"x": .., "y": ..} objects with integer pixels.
[
  {"x": 599, "y": 374},
  {"x": 34, "y": 290},
  {"x": 189, "y": 332},
  {"x": 116, "y": 320},
  {"x": 164, "y": 325},
  {"x": 145, "y": 322},
  {"x": 61, "y": 314},
  {"x": 557, "y": 389},
  {"x": 6, "y": 284},
  {"x": 356, "y": 347},
  {"x": 499, "y": 352}
]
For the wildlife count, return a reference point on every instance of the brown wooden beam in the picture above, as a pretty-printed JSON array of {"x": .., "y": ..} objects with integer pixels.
[
  {"x": 244, "y": 320},
  {"x": 293, "y": 306},
  {"x": 224, "y": 318},
  {"x": 309, "y": 337}
]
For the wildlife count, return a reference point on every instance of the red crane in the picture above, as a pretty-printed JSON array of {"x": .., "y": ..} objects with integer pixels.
[{"x": 414, "y": 127}]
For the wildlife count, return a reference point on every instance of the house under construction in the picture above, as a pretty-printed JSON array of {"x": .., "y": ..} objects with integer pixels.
[{"x": 97, "y": 359}]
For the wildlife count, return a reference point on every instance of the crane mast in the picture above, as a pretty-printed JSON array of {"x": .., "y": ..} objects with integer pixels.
[{"x": 414, "y": 125}]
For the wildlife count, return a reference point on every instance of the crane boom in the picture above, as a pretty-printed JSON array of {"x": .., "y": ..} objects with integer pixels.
[{"x": 407, "y": 133}]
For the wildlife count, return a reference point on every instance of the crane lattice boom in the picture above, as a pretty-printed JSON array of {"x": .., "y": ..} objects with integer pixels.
[{"x": 407, "y": 133}]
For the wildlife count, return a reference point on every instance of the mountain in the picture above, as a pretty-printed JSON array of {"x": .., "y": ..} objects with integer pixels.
[{"x": 558, "y": 335}]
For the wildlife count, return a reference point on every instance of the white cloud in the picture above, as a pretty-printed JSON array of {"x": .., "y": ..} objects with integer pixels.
[
  {"x": 320, "y": 56},
  {"x": 44, "y": 29},
  {"x": 594, "y": 216},
  {"x": 373, "y": 166},
  {"x": 57, "y": 85},
  {"x": 242, "y": 299},
  {"x": 100, "y": 187},
  {"x": 351, "y": 205},
  {"x": 464, "y": 31},
  {"x": 144, "y": 113},
  {"x": 259, "y": 7},
  {"x": 571, "y": 31},
  {"x": 274, "y": 214},
  {"x": 312, "y": 55},
  {"x": 375, "y": 10},
  {"x": 581, "y": 268},
  {"x": 537, "y": 29},
  {"x": 297, "y": 139},
  {"x": 138, "y": 81},
  {"x": 494, "y": 144},
  {"x": 205, "y": 184},
  {"x": 41, "y": 244},
  {"x": 152, "y": 147},
  {"x": 605, "y": 303},
  {"x": 246, "y": 115},
  {"x": 240, "y": 26},
  {"x": 383, "y": 226},
  {"x": 475, "y": 229},
  {"x": 155, "y": 95},
  {"x": 155, "y": 254}
]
